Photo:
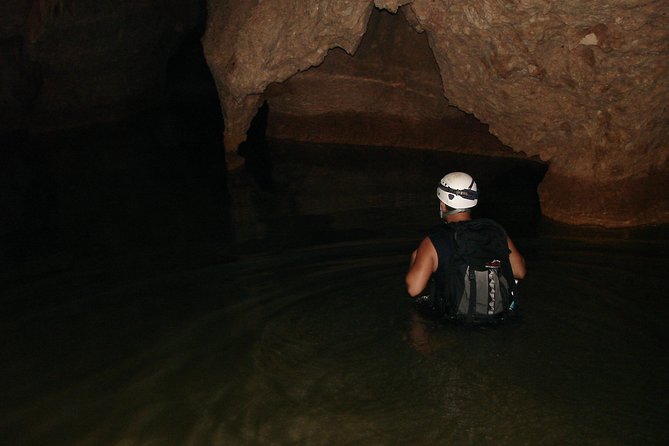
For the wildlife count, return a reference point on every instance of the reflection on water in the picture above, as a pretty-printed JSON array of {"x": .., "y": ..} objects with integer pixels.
[{"x": 311, "y": 346}]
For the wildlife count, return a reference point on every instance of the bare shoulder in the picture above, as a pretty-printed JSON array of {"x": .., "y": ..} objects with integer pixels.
[
  {"x": 512, "y": 246},
  {"x": 427, "y": 253},
  {"x": 424, "y": 263}
]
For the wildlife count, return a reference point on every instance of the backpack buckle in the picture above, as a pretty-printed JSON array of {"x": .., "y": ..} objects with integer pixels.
[{"x": 493, "y": 264}]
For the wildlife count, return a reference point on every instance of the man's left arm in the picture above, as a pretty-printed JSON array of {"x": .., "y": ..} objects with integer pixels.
[{"x": 517, "y": 261}]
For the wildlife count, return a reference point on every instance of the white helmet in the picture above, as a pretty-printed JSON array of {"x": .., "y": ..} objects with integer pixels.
[{"x": 458, "y": 190}]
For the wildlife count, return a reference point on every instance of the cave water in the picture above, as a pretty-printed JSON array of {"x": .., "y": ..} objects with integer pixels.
[{"x": 132, "y": 316}]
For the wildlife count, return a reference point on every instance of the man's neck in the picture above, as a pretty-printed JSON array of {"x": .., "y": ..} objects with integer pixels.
[{"x": 460, "y": 216}]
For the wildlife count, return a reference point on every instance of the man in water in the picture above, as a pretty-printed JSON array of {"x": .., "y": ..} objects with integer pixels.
[{"x": 458, "y": 194}]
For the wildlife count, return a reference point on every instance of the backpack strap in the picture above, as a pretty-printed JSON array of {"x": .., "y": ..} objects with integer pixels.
[
  {"x": 442, "y": 239},
  {"x": 472, "y": 294}
]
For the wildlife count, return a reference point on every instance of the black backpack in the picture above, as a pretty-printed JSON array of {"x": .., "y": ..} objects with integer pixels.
[{"x": 477, "y": 283}]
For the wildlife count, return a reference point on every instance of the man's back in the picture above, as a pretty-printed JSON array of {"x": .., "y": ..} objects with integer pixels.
[
  {"x": 474, "y": 278},
  {"x": 465, "y": 247}
]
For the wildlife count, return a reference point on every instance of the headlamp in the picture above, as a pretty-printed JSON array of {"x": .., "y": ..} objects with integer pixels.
[{"x": 467, "y": 194}]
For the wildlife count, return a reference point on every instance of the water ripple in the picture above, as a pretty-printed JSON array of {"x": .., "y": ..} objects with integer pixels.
[{"x": 316, "y": 346}]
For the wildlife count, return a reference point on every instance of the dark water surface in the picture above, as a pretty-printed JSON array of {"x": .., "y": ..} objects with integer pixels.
[
  {"x": 129, "y": 318},
  {"x": 315, "y": 345}
]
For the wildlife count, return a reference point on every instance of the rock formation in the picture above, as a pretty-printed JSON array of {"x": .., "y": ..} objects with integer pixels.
[
  {"x": 388, "y": 94},
  {"x": 250, "y": 44},
  {"x": 583, "y": 85}
]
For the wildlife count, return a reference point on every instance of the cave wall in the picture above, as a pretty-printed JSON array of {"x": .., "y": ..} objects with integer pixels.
[
  {"x": 581, "y": 85},
  {"x": 65, "y": 63},
  {"x": 250, "y": 44},
  {"x": 388, "y": 93}
]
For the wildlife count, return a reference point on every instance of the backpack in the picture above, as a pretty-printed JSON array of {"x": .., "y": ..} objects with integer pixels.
[{"x": 478, "y": 284}]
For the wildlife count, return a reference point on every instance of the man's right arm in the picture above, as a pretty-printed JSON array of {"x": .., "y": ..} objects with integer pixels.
[{"x": 423, "y": 263}]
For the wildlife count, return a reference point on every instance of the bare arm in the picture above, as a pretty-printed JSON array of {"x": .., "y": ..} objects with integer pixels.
[
  {"x": 423, "y": 263},
  {"x": 517, "y": 261}
]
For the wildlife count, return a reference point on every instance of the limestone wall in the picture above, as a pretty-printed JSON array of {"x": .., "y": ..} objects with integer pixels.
[{"x": 583, "y": 85}]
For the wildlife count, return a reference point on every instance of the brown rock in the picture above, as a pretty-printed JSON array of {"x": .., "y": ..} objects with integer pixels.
[
  {"x": 388, "y": 94},
  {"x": 250, "y": 44},
  {"x": 580, "y": 84}
]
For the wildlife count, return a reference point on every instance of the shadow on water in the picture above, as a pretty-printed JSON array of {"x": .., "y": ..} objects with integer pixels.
[{"x": 128, "y": 318}]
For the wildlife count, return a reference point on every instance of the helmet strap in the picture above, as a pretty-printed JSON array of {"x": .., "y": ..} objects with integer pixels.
[{"x": 443, "y": 214}]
